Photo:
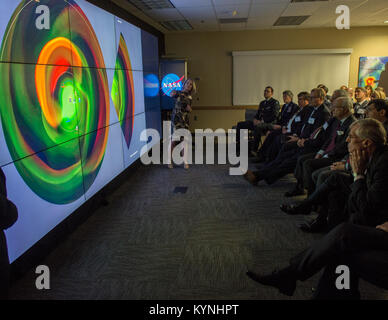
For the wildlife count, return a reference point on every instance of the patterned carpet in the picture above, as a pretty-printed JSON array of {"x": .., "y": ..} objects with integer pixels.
[{"x": 153, "y": 243}]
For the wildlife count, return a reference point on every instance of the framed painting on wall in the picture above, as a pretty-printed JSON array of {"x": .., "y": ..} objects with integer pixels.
[{"x": 373, "y": 71}]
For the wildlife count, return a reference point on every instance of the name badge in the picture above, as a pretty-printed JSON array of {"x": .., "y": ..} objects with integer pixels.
[
  {"x": 340, "y": 133},
  {"x": 311, "y": 121},
  {"x": 297, "y": 119},
  {"x": 325, "y": 126}
]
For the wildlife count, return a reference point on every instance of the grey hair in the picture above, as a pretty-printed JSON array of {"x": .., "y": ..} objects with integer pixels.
[
  {"x": 370, "y": 129},
  {"x": 288, "y": 93},
  {"x": 339, "y": 93},
  {"x": 345, "y": 102}
]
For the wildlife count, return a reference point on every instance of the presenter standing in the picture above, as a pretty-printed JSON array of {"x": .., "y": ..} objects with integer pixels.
[{"x": 180, "y": 114}]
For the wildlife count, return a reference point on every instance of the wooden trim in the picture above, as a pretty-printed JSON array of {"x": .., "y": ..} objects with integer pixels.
[
  {"x": 346, "y": 51},
  {"x": 224, "y": 107}
]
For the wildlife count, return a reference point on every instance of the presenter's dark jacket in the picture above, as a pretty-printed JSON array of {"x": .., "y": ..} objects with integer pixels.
[
  {"x": 300, "y": 120},
  {"x": 268, "y": 110},
  {"x": 8, "y": 216},
  {"x": 368, "y": 201},
  {"x": 341, "y": 146},
  {"x": 288, "y": 110}
]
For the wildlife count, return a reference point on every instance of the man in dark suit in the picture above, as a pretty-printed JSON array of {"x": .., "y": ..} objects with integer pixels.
[
  {"x": 334, "y": 148},
  {"x": 8, "y": 216},
  {"x": 361, "y": 102},
  {"x": 288, "y": 110},
  {"x": 267, "y": 112},
  {"x": 356, "y": 243},
  {"x": 286, "y": 160},
  {"x": 288, "y": 125},
  {"x": 324, "y": 135}
]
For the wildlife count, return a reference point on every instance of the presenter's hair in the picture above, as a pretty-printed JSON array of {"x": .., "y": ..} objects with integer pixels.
[{"x": 194, "y": 89}]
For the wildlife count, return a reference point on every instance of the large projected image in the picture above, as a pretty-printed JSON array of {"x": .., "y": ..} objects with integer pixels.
[{"x": 72, "y": 107}]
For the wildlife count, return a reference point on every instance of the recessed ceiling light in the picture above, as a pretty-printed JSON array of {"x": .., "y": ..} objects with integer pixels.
[{"x": 386, "y": 21}]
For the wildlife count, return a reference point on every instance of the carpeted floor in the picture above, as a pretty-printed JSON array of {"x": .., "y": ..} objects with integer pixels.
[{"x": 153, "y": 243}]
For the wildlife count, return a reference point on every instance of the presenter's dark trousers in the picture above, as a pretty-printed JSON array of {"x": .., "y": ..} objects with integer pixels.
[
  {"x": 364, "y": 250},
  {"x": 4, "y": 267}
]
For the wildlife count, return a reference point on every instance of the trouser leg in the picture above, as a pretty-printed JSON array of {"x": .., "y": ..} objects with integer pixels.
[
  {"x": 309, "y": 166},
  {"x": 346, "y": 238}
]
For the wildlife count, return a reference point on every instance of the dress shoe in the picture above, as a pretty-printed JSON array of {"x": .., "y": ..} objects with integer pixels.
[
  {"x": 315, "y": 226},
  {"x": 249, "y": 175},
  {"x": 295, "y": 192},
  {"x": 282, "y": 279},
  {"x": 294, "y": 209}
]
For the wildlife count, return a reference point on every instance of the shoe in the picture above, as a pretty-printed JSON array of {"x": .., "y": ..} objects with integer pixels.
[
  {"x": 186, "y": 166},
  {"x": 315, "y": 226},
  {"x": 279, "y": 279},
  {"x": 251, "y": 178},
  {"x": 294, "y": 209},
  {"x": 170, "y": 166},
  {"x": 295, "y": 192}
]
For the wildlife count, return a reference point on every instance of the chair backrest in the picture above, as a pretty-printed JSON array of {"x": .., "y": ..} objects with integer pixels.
[{"x": 250, "y": 114}]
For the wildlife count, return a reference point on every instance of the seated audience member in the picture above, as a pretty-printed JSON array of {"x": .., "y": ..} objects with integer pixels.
[
  {"x": 335, "y": 147},
  {"x": 351, "y": 93},
  {"x": 340, "y": 177},
  {"x": 344, "y": 88},
  {"x": 379, "y": 113},
  {"x": 359, "y": 106},
  {"x": 324, "y": 135},
  {"x": 327, "y": 101},
  {"x": 378, "y": 94},
  {"x": 288, "y": 110},
  {"x": 267, "y": 112},
  {"x": 366, "y": 209},
  {"x": 369, "y": 91},
  {"x": 8, "y": 216},
  {"x": 272, "y": 144},
  {"x": 363, "y": 249},
  {"x": 378, "y": 109},
  {"x": 306, "y": 143}
]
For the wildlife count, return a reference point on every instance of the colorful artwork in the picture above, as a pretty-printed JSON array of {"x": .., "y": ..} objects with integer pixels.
[
  {"x": 123, "y": 93},
  {"x": 373, "y": 71},
  {"x": 72, "y": 107}
]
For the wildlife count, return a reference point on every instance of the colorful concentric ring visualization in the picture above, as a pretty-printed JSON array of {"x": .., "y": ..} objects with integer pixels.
[
  {"x": 50, "y": 109},
  {"x": 123, "y": 93}
]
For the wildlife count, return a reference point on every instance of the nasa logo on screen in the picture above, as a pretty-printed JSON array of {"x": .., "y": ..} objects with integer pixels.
[
  {"x": 171, "y": 82},
  {"x": 151, "y": 85}
]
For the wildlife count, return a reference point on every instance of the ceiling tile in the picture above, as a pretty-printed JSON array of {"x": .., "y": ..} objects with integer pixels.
[
  {"x": 231, "y": 2},
  {"x": 199, "y": 13},
  {"x": 227, "y": 11},
  {"x": 267, "y": 10},
  {"x": 190, "y": 3},
  {"x": 164, "y": 14},
  {"x": 302, "y": 8},
  {"x": 233, "y": 26}
]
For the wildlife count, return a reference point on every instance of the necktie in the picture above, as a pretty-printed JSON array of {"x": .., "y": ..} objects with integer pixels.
[
  {"x": 331, "y": 146},
  {"x": 315, "y": 132}
]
